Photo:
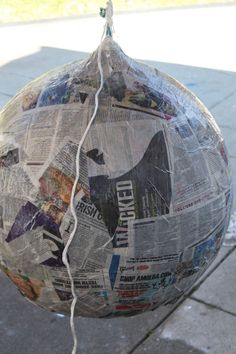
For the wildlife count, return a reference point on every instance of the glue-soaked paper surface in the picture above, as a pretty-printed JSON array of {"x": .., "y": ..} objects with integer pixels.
[{"x": 154, "y": 195}]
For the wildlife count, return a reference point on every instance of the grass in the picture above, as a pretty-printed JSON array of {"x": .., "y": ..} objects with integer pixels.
[{"x": 27, "y": 10}]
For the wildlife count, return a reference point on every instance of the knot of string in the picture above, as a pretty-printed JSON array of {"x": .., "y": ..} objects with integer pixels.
[{"x": 106, "y": 13}]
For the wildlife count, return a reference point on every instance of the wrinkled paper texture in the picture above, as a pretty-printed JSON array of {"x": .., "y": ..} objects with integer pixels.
[{"x": 153, "y": 200}]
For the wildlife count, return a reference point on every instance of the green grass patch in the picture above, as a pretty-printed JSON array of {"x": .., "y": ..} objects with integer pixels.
[{"x": 28, "y": 10}]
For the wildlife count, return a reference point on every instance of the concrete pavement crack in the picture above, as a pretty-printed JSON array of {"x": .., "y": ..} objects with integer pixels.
[
  {"x": 213, "y": 307},
  {"x": 17, "y": 74},
  {"x": 151, "y": 331},
  {"x": 222, "y": 100},
  {"x": 227, "y": 127},
  {"x": 5, "y": 94}
]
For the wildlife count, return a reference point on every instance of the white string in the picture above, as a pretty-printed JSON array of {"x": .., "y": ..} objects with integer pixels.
[{"x": 109, "y": 13}]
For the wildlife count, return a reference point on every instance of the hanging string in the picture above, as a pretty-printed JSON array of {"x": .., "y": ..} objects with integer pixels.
[
  {"x": 107, "y": 13},
  {"x": 108, "y": 29}
]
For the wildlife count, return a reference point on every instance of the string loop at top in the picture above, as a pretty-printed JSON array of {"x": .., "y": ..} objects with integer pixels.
[{"x": 108, "y": 14}]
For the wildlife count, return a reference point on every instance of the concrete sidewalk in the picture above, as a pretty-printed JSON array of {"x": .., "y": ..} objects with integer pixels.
[{"x": 205, "y": 321}]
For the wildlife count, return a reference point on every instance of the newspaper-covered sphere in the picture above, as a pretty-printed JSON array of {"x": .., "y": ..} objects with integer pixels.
[{"x": 153, "y": 199}]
